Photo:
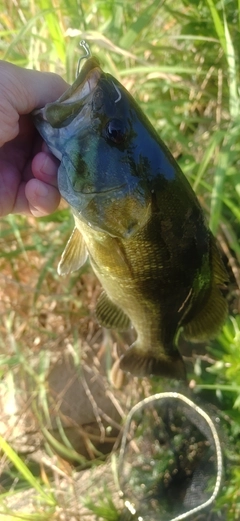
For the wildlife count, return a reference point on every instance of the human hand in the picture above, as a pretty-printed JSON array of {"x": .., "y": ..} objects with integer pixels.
[{"x": 28, "y": 171}]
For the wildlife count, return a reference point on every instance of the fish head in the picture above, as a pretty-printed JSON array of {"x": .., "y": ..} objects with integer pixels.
[{"x": 108, "y": 155}]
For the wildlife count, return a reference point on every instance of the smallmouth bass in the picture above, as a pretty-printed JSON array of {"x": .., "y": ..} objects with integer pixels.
[{"x": 137, "y": 218}]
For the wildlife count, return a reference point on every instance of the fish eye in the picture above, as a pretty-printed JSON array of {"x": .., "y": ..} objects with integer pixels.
[{"x": 115, "y": 131}]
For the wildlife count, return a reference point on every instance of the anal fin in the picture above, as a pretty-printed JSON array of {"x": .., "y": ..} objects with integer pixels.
[
  {"x": 109, "y": 315},
  {"x": 74, "y": 255}
]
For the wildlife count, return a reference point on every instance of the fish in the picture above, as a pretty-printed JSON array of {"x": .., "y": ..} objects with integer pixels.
[{"x": 138, "y": 221}]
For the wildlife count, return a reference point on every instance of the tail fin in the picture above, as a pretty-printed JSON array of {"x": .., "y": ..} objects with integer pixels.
[{"x": 141, "y": 363}]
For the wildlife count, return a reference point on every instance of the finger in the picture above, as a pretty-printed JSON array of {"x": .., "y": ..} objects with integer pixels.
[
  {"x": 43, "y": 198},
  {"x": 26, "y": 89},
  {"x": 45, "y": 167},
  {"x": 21, "y": 91}
]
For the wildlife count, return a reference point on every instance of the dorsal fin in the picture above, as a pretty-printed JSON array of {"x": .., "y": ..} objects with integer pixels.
[
  {"x": 208, "y": 320},
  {"x": 109, "y": 315},
  {"x": 74, "y": 255},
  {"x": 219, "y": 271}
]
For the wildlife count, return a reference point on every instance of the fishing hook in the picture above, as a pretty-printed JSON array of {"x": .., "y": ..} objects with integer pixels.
[{"x": 85, "y": 56}]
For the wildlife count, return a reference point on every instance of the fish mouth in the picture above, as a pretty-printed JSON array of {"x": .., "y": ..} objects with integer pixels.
[
  {"x": 64, "y": 109},
  {"x": 85, "y": 82}
]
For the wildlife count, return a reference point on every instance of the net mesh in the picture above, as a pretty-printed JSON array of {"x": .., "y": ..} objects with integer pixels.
[{"x": 170, "y": 462}]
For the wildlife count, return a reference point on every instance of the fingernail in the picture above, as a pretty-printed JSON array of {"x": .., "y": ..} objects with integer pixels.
[
  {"x": 42, "y": 190},
  {"x": 48, "y": 167}
]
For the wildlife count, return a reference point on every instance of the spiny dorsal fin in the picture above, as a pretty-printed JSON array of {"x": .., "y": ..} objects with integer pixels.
[
  {"x": 219, "y": 272},
  {"x": 209, "y": 319},
  {"x": 109, "y": 315},
  {"x": 74, "y": 255}
]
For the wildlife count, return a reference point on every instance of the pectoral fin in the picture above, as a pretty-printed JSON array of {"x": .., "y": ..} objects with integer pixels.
[
  {"x": 141, "y": 363},
  {"x": 109, "y": 315},
  {"x": 74, "y": 255}
]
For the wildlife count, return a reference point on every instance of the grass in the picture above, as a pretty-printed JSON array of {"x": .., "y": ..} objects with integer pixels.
[{"x": 180, "y": 60}]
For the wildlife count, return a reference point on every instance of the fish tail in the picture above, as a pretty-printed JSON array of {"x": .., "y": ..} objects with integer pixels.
[{"x": 139, "y": 363}]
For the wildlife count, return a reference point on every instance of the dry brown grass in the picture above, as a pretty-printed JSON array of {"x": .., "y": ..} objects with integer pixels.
[{"x": 55, "y": 391}]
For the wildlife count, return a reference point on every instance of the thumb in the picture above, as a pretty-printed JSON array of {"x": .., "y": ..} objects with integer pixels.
[{"x": 21, "y": 91}]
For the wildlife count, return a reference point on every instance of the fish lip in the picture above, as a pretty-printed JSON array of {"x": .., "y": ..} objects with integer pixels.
[
  {"x": 90, "y": 73},
  {"x": 39, "y": 112},
  {"x": 79, "y": 91}
]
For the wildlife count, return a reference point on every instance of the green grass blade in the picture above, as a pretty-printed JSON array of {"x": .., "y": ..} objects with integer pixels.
[
  {"x": 25, "y": 472},
  {"x": 219, "y": 27},
  {"x": 15, "y": 228},
  {"x": 171, "y": 69},
  {"x": 14, "y": 516},
  {"x": 19, "y": 37},
  {"x": 214, "y": 142},
  {"x": 218, "y": 195},
  {"x": 143, "y": 20},
  {"x": 232, "y": 206},
  {"x": 220, "y": 387},
  {"x": 65, "y": 452},
  {"x": 232, "y": 69},
  {"x": 217, "y": 192},
  {"x": 55, "y": 31}
]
